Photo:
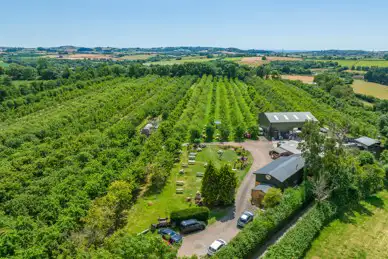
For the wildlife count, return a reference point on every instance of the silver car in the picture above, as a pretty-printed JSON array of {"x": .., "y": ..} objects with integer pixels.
[
  {"x": 216, "y": 246},
  {"x": 245, "y": 218}
]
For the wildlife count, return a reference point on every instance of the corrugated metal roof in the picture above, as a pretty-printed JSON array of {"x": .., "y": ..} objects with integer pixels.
[
  {"x": 367, "y": 141},
  {"x": 262, "y": 187},
  {"x": 283, "y": 167},
  {"x": 281, "y": 117}
]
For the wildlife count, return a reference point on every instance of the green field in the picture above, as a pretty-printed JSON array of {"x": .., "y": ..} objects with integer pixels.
[
  {"x": 361, "y": 233},
  {"x": 181, "y": 61},
  {"x": 369, "y": 88},
  {"x": 362, "y": 63},
  {"x": 2, "y": 64},
  {"x": 161, "y": 205}
]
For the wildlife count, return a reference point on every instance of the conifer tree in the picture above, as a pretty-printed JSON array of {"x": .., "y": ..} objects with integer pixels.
[
  {"x": 210, "y": 182},
  {"x": 226, "y": 185}
]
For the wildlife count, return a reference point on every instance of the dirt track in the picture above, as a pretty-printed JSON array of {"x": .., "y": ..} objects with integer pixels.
[{"x": 226, "y": 228}]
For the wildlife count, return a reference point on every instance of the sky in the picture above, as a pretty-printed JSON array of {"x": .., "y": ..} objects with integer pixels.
[{"x": 245, "y": 24}]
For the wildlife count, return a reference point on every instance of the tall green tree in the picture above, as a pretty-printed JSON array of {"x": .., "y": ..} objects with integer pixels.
[
  {"x": 226, "y": 186},
  {"x": 210, "y": 182}
]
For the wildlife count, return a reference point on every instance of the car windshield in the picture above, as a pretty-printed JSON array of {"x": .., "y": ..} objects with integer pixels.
[
  {"x": 212, "y": 249},
  {"x": 244, "y": 218}
]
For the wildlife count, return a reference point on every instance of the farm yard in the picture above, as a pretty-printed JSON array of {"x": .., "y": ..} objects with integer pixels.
[
  {"x": 360, "y": 233},
  {"x": 369, "y": 88}
]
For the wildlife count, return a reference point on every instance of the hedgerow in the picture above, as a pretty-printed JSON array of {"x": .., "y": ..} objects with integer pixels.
[
  {"x": 199, "y": 213},
  {"x": 298, "y": 239}
]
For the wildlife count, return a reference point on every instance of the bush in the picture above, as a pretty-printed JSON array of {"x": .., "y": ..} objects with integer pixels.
[
  {"x": 298, "y": 239},
  {"x": 199, "y": 213},
  {"x": 272, "y": 198},
  {"x": 257, "y": 233}
]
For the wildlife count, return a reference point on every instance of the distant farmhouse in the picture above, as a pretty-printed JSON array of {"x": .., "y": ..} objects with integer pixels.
[
  {"x": 281, "y": 173},
  {"x": 369, "y": 144},
  {"x": 279, "y": 125}
]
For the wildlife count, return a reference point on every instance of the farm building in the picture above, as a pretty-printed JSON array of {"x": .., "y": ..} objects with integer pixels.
[
  {"x": 287, "y": 148},
  {"x": 281, "y": 173},
  {"x": 368, "y": 144},
  {"x": 280, "y": 125},
  {"x": 147, "y": 129}
]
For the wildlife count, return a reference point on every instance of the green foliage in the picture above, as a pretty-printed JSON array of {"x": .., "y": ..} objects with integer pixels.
[
  {"x": 209, "y": 132},
  {"x": 209, "y": 188},
  {"x": 366, "y": 158},
  {"x": 227, "y": 184},
  {"x": 199, "y": 213},
  {"x": 272, "y": 197},
  {"x": 194, "y": 134},
  {"x": 124, "y": 245},
  {"x": 218, "y": 186},
  {"x": 298, "y": 239},
  {"x": 263, "y": 225},
  {"x": 384, "y": 157}
]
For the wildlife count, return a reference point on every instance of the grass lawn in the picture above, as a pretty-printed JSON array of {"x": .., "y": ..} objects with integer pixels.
[
  {"x": 147, "y": 209},
  {"x": 361, "y": 233},
  {"x": 369, "y": 88}
]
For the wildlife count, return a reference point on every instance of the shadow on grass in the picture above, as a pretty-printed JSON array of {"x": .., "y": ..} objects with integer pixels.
[
  {"x": 375, "y": 201},
  {"x": 222, "y": 214},
  {"x": 348, "y": 216}
]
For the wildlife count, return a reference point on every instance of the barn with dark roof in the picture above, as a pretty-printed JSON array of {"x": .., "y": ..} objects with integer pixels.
[{"x": 281, "y": 173}]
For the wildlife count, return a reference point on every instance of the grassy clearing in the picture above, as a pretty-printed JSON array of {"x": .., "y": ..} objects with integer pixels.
[
  {"x": 149, "y": 208},
  {"x": 362, "y": 63},
  {"x": 361, "y": 233},
  {"x": 369, "y": 88}
]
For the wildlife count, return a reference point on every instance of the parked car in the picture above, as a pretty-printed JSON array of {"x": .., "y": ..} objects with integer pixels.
[
  {"x": 192, "y": 225},
  {"x": 216, "y": 246},
  {"x": 245, "y": 218},
  {"x": 170, "y": 235}
]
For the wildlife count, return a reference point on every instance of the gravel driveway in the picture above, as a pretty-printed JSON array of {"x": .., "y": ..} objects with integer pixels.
[{"x": 225, "y": 228}]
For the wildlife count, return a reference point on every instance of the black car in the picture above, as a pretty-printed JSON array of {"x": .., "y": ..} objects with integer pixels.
[
  {"x": 192, "y": 225},
  {"x": 170, "y": 235}
]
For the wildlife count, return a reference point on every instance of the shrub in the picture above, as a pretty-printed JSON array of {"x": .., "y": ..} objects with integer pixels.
[
  {"x": 366, "y": 158},
  {"x": 199, "y": 213},
  {"x": 298, "y": 239},
  {"x": 272, "y": 198},
  {"x": 256, "y": 233}
]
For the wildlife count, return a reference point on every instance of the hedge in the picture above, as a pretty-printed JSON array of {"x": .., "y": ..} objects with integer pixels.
[
  {"x": 297, "y": 240},
  {"x": 199, "y": 213},
  {"x": 263, "y": 226}
]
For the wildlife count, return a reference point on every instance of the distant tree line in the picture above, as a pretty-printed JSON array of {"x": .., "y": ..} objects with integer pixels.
[{"x": 377, "y": 75}]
